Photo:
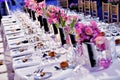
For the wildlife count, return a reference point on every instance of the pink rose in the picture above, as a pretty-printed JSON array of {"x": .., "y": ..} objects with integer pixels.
[
  {"x": 78, "y": 30},
  {"x": 93, "y": 23},
  {"x": 88, "y": 31},
  {"x": 100, "y": 40},
  {"x": 80, "y": 25}
]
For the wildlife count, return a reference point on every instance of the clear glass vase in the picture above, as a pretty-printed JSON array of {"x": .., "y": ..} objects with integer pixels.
[{"x": 95, "y": 58}]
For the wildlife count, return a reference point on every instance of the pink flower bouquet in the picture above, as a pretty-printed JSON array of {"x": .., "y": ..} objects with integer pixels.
[{"x": 87, "y": 33}]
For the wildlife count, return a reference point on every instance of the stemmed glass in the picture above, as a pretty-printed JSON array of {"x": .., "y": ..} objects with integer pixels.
[{"x": 113, "y": 28}]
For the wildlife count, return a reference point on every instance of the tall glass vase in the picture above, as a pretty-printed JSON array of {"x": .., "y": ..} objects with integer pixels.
[
  {"x": 29, "y": 11},
  {"x": 40, "y": 19},
  {"x": 96, "y": 59},
  {"x": 55, "y": 29},
  {"x": 25, "y": 9},
  {"x": 72, "y": 39},
  {"x": 33, "y": 15},
  {"x": 45, "y": 23},
  {"x": 62, "y": 35}
]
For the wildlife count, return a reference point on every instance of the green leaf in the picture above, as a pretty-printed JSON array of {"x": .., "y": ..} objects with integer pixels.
[
  {"x": 57, "y": 25},
  {"x": 62, "y": 22},
  {"x": 73, "y": 23}
]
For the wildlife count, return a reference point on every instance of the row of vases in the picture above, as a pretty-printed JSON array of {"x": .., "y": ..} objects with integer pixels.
[
  {"x": 44, "y": 23},
  {"x": 63, "y": 35},
  {"x": 88, "y": 49},
  {"x": 41, "y": 19}
]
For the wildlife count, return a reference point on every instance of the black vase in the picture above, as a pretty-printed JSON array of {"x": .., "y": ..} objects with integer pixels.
[
  {"x": 33, "y": 15},
  {"x": 46, "y": 28},
  {"x": 55, "y": 29},
  {"x": 62, "y": 36},
  {"x": 40, "y": 19},
  {"x": 29, "y": 11},
  {"x": 73, "y": 41}
]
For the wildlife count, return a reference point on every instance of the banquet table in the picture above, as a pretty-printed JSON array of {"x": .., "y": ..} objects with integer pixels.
[
  {"x": 112, "y": 73},
  {"x": 35, "y": 61}
]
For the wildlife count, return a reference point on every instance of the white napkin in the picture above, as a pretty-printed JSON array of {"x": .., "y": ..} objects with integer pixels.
[
  {"x": 63, "y": 75},
  {"x": 14, "y": 54}
]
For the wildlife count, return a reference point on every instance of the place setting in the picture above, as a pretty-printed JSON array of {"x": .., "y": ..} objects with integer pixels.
[
  {"x": 17, "y": 43},
  {"x": 21, "y": 51},
  {"x": 25, "y": 61}
]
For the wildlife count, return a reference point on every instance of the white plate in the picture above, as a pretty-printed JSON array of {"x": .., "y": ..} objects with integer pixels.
[{"x": 47, "y": 75}]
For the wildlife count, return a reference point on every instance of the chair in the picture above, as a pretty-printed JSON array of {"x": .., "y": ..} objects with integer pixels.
[
  {"x": 81, "y": 5},
  {"x": 106, "y": 12},
  {"x": 94, "y": 9},
  {"x": 114, "y": 9},
  {"x": 1, "y": 45},
  {"x": 63, "y": 3},
  {"x": 87, "y": 7}
]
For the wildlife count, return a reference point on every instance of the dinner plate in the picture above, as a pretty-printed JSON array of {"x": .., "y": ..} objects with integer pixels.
[
  {"x": 20, "y": 60},
  {"x": 17, "y": 53},
  {"x": 38, "y": 77}
]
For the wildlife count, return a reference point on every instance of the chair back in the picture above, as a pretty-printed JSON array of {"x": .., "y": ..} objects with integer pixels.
[
  {"x": 87, "y": 7},
  {"x": 94, "y": 8},
  {"x": 114, "y": 9},
  {"x": 63, "y": 3},
  {"x": 81, "y": 5},
  {"x": 106, "y": 12}
]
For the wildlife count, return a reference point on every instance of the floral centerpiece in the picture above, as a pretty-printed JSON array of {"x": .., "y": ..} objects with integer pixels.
[
  {"x": 91, "y": 34},
  {"x": 73, "y": 6},
  {"x": 103, "y": 46},
  {"x": 40, "y": 8},
  {"x": 53, "y": 15},
  {"x": 87, "y": 33},
  {"x": 114, "y": 2},
  {"x": 56, "y": 16},
  {"x": 71, "y": 22},
  {"x": 70, "y": 29}
]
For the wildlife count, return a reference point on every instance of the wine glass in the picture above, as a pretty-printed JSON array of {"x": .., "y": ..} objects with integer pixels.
[{"x": 114, "y": 29}]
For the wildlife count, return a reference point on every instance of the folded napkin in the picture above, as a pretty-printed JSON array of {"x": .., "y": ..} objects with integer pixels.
[
  {"x": 17, "y": 64},
  {"x": 62, "y": 75},
  {"x": 16, "y": 54}
]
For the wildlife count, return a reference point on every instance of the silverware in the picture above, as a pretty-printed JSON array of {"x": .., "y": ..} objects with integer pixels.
[
  {"x": 29, "y": 75},
  {"x": 39, "y": 70}
]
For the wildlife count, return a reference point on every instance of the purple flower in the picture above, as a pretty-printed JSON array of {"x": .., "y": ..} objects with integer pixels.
[{"x": 105, "y": 63}]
